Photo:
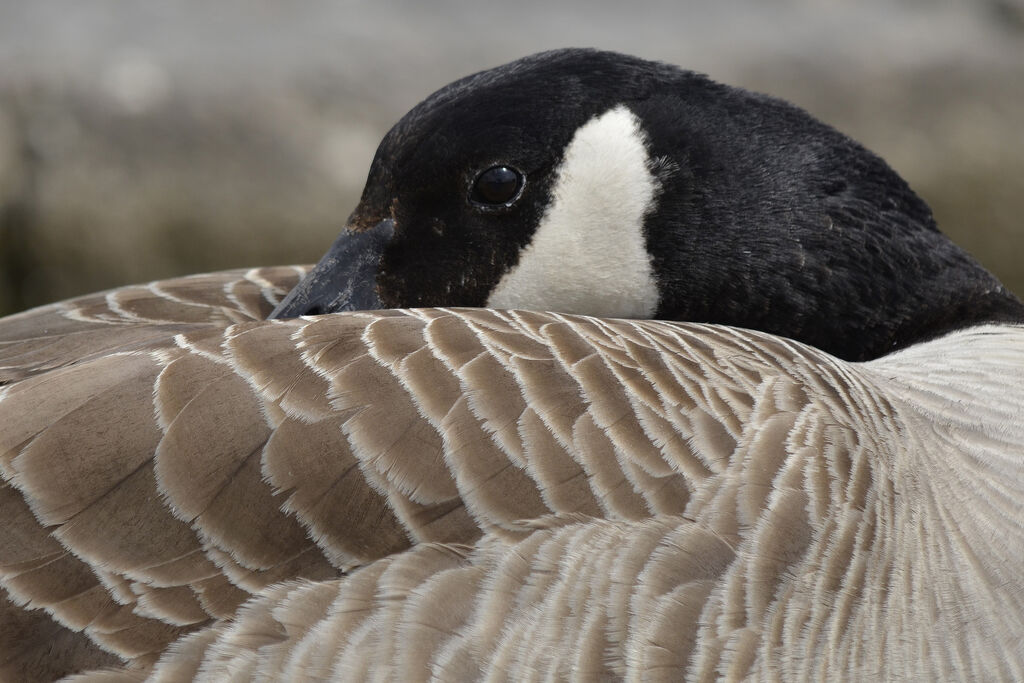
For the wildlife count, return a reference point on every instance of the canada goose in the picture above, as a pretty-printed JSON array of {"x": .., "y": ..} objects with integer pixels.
[{"x": 458, "y": 493}]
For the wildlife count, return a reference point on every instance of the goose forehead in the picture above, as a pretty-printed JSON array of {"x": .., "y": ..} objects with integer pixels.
[{"x": 589, "y": 252}]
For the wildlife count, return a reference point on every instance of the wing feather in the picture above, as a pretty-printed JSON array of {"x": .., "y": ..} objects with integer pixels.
[{"x": 452, "y": 493}]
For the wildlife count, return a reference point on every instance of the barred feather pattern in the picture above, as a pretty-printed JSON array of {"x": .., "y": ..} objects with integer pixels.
[{"x": 444, "y": 494}]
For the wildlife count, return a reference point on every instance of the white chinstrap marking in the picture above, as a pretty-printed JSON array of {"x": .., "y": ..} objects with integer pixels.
[{"x": 589, "y": 254}]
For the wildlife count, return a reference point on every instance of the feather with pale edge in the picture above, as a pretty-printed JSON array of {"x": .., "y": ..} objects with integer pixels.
[{"x": 191, "y": 491}]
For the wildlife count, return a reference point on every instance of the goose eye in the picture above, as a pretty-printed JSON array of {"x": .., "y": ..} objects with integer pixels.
[{"x": 498, "y": 185}]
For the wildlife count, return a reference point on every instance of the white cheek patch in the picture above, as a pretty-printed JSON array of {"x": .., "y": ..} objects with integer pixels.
[{"x": 588, "y": 254}]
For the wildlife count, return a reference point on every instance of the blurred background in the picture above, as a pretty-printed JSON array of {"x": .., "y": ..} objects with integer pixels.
[{"x": 148, "y": 139}]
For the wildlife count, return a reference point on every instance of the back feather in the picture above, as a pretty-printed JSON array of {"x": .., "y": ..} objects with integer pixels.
[{"x": 458, "y": 494}]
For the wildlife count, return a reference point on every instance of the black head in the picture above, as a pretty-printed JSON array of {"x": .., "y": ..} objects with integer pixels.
[{"x": 598, "y": 183}]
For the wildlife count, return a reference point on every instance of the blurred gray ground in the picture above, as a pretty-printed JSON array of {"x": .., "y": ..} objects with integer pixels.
[{"x": 147, "y": 139}]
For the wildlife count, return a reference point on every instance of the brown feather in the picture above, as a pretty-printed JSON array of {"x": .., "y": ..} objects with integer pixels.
[{"x": 457, "y": 493}]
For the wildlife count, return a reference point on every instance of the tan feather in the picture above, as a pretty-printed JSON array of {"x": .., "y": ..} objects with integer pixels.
[{"x": 455, "y": 494}]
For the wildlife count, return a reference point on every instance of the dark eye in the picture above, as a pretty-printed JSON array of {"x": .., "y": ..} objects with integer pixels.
[{"x": 498, "y": 185}]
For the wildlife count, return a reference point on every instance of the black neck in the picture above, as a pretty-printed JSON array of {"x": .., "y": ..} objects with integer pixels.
[{"x": 774, "y": 221}]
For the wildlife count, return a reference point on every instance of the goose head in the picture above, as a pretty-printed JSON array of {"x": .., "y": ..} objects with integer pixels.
[{"x": 592, "y": 182}]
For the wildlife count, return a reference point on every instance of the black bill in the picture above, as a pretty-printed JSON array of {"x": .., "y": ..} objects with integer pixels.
[{"x": 344, "y": 279}]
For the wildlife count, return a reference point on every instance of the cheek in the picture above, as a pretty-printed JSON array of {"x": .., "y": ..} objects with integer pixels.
[
  {"x": 589, "y": 253},
  {"x": 448, "y": 254},
  {"x": 440, "y": 267}
]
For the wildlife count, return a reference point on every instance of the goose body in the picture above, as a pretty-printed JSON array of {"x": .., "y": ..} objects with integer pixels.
[{"x": 191, "y": 490}]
